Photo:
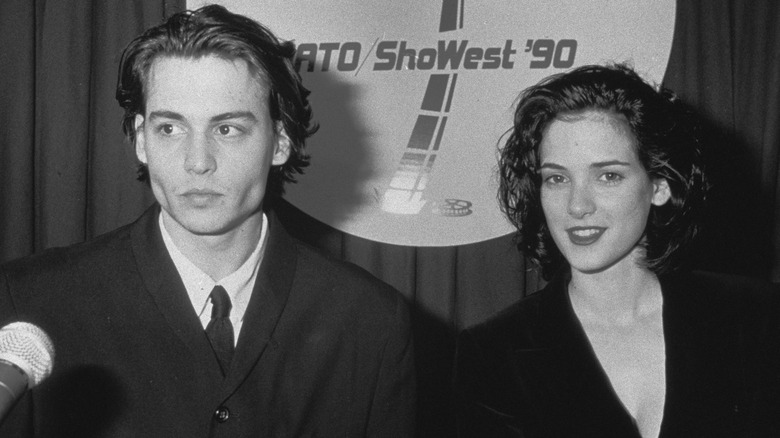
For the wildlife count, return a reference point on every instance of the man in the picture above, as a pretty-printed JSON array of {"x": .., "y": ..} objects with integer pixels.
[{"x": 204, "y": 317}]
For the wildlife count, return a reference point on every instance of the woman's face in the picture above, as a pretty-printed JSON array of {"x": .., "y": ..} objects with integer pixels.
[{"x": 596, "y": 195}]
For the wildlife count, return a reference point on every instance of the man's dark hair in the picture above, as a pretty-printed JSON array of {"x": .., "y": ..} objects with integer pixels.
[
  {"x": 214, "y": 31},
  {"x": 667, "y": 145}
]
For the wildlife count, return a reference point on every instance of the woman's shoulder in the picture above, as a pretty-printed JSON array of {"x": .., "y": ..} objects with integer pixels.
[
  {"x": 733, "y": 281},
  {"x": 709, "y": 286},
  {"x": 526, "y": 322},
  {"x": 721, "y": 300}
]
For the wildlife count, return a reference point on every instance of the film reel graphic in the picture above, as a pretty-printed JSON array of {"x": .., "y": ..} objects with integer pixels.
[{"x": 452, "y": 208}]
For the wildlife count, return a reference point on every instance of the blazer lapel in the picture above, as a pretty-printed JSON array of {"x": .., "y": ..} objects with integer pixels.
[
  {"x": 569, "y": 375},
  {"x": 269, "y": 298},
  {"x": 678, "y": 344},
  {"x": 703, "y": 357},
  {"x": 166, "y": 288}
]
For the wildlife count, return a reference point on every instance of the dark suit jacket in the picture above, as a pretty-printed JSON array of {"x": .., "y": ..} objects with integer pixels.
[
  {"x": 325, "y": 349},
  {"x": 531, "y": 372}
]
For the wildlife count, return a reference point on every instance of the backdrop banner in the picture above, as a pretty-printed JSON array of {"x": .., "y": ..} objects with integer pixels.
[{"x": 413, "y": 98}]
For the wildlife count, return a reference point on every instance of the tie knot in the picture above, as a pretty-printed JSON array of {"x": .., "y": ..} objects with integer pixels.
[{"x": 220, "y": 303}]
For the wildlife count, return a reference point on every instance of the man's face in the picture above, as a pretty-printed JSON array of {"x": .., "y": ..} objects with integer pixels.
[{"x": 209, "y": 142}]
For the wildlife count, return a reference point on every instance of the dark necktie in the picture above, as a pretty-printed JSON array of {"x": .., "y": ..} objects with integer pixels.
[{"x": 220, "y": 330}]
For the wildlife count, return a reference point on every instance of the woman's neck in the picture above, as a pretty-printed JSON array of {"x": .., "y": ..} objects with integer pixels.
[{"x": 620, "y": 295}]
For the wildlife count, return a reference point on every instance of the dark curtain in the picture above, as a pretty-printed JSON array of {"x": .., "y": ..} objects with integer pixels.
[
  {"x": 725, "y": 62},
  {"x": 66, "y": 173}
]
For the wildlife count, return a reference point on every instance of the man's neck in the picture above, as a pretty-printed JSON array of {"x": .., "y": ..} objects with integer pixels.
[{"x": 217, "y": 255}]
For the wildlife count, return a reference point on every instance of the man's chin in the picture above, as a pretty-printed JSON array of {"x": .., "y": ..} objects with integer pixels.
[
  {"x": 199, "y": 224},
  {"x": 208, "y": 227},
  {"x": 211, "y": 222}
]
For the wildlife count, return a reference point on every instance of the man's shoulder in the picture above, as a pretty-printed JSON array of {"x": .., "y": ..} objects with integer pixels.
[
  {"x": 342, "y": 283},
  {"x": 329, "y": 269},
  {"x": 315, "y": 268},
  {"x": 90, "y": 254}
]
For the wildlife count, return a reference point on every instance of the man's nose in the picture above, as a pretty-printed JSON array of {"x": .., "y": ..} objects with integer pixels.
[{"x": 199, "y": 156}]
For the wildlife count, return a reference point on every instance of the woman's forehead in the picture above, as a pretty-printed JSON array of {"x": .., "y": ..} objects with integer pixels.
[{"x": 588, "y": 136}]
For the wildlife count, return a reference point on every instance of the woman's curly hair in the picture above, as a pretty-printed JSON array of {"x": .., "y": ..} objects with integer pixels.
[{"x": 667, "y": 145}]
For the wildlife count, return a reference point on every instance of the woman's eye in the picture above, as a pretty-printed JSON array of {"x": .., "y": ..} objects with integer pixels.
[
  {"x": 611, "y": 177},
  {"x": 555, "y": 179}
]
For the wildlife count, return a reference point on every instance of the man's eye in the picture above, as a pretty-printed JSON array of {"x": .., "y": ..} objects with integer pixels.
[
  {"x": 228, "y": 130},
  {"x": 168, "y": 129}
]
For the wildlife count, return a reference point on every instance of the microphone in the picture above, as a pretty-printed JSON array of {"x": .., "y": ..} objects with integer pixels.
[{"x": 26, "y": 358}]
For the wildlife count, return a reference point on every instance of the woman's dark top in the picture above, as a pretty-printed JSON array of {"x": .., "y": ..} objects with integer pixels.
[{"x": 530, "y": 371}]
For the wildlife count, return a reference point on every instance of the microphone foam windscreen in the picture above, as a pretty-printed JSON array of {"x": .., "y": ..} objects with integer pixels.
[{"x": 28, "y": 347}]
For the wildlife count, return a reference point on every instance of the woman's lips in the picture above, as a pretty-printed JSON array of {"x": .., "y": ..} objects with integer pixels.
[{"x": 584, "y": 235}]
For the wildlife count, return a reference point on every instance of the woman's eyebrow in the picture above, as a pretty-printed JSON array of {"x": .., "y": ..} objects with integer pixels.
[
  {"x": 598, "y": 164},
  {"x": 601, "y": 164},
  {"x": 552, "y": 166}
]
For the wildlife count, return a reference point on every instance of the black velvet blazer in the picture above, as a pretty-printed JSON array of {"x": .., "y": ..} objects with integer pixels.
[
  {"x": 531, "y": 372},
  {"x": 325, "y": 348}
]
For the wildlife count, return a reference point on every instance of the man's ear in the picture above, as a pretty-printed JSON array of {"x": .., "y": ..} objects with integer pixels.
[
  {"x": 661, "y": 192},
  {"x": 283, "y": 146},
  {"x": 140, "y": 139}
]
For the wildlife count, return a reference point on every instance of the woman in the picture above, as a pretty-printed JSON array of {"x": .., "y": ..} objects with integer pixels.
[{"x": 601, "y": 175}]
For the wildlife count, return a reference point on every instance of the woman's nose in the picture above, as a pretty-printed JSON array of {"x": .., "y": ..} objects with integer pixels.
[{"x": 581, "y": 201}]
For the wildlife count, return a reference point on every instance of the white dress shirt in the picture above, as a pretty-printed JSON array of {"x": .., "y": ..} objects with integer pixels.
[{"x": 239, "y": 284}]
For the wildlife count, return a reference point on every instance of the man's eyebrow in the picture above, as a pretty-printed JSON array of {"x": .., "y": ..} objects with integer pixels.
[
  {"x": 246, "y": 115},
  {"x": 165, "y": 115}
]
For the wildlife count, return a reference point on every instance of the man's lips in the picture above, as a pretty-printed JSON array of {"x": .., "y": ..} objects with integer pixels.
[
  {"x": 200, "y": 195},
  {"x": 584, "y": 235}
]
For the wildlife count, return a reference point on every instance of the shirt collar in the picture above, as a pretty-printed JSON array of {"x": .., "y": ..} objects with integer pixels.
[{"x": 239, "y": 284}]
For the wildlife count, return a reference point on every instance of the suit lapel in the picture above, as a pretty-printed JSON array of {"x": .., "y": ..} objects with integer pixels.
[
  {"x": 269, "y": 298},
  {"x": 166, "y": 288}
]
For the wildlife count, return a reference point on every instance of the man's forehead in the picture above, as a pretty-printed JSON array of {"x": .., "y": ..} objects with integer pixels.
[
  {"x": 163, "y": 64},
  {"x": 204, "y": 80}
]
